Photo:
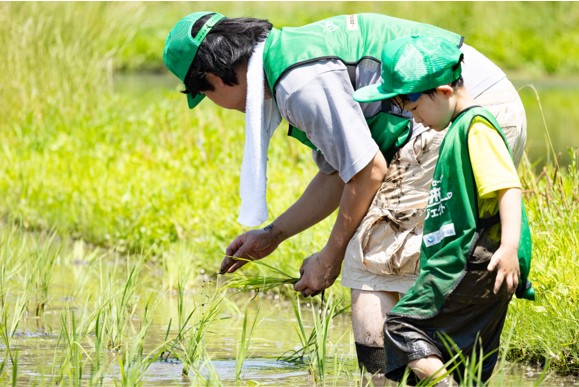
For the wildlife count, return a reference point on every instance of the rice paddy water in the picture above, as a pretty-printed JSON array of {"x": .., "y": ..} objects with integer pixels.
[{"x": 106, "y": 321}]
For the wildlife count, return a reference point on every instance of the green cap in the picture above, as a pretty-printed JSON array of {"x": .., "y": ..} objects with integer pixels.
[
  {"x": 412, "y": 65},
  {"x": 181, "y": 47}
]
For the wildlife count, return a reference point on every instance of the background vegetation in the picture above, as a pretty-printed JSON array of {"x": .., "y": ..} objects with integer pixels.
[{"x": 138, "y": 172}]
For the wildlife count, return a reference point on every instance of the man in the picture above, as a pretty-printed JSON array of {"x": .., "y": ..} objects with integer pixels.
[{"x": 308, "y": 75}]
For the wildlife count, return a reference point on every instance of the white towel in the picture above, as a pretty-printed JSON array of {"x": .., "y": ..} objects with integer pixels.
[{"x": 261, "y": 119}]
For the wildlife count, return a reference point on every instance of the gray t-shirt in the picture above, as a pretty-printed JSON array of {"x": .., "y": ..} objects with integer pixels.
[{"x": 317, "y": 98}]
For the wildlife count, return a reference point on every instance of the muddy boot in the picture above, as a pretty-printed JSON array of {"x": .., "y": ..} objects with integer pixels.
[{"x": 370, "y": 359}]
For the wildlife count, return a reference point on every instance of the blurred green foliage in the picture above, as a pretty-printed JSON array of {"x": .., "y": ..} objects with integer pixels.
[{"x": 533, "y": 37}]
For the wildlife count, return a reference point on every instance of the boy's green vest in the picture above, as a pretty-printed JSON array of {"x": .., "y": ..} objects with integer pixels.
[
  {"x": 350, "y": 39},
  {"x": 452, "y": 224}
]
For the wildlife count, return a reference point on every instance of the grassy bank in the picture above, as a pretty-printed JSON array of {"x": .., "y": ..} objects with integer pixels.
[
  {"x": 148, "y": 178},
  {"x": 545, "y": 331}
]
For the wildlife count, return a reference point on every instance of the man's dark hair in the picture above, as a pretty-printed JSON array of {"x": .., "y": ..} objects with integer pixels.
[{"x": 228, "y": 45}]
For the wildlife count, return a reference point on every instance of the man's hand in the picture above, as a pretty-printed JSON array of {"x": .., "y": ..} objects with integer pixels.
[
  {"x": 506, "y": 261},
  {"x": 250, "y": 245},
  {"x": 318, "y": 272}
]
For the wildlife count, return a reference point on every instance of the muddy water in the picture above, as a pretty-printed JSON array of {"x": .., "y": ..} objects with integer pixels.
[
  {"x": 37, "y": 343},
  {"x": 274, "y": 335}
]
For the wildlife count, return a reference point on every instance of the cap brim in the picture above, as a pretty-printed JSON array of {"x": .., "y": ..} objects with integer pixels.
[
  {"x": 372, "y": 93},
  {"x": 193, "y": 100}
]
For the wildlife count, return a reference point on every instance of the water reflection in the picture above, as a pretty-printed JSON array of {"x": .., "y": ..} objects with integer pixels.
[{"x": 552, "y": 118}]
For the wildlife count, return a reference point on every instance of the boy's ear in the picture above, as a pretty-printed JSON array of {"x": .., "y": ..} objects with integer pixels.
[{"x": 446, "y": 90}]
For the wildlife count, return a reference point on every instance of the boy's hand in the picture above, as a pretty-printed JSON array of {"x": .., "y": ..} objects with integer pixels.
[{"x": 506, "y": 261}]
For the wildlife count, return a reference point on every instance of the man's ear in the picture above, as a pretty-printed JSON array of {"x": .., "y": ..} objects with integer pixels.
[{"x": 214, "y": 79}]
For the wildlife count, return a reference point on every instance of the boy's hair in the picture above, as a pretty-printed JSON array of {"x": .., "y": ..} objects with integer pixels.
[{"x": 228, "y": 45}]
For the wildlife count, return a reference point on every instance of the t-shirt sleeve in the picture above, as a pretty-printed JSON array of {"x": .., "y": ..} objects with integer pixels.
[
  {"x": 317, "y": 99},
  {"x": 492, "y": 165}
]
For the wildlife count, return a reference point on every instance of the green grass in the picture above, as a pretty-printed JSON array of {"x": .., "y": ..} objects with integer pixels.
[{"x": 552, "y": 205}]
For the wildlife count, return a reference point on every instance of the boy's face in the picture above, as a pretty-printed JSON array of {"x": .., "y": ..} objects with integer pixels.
[{"x": 431, "y": 110}]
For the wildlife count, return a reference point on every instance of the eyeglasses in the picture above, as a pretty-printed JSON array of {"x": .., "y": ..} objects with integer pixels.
[{"x": 413, "y": 97}]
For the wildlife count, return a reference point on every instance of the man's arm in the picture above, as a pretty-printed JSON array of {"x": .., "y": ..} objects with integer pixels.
[
  {"x": 320, "y": 270},
  {"x": 317, "y": 98},
  {"x": 319, "y": 200}
]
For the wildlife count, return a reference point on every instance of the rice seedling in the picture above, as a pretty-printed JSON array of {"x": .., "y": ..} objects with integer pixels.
[
  {"x": 467, "y": 369},
  {"x": 322, "y": 323},
  {"x": 189, "y": 344},
  {"x": 263, "y": 282},
  {"x": 12, "y": 249},
  {"x": 182, "y": 319},
  {"x": 470, "y": 367},
  {"x": 313, "y": 350},
  {"x": 178, "y": 269},
  {"x": 339, "y": 371},
  {"x": 44, "y": 257},
  {"x": 80, "y": 347},
  {"x": 8, "y": 325},
  {"x": 70, "y": 370},
  {"x": 98, "y": 370},
  {"x": 133, "y": 364},
  {"x": 243, "y": 344},
  {"x": 83, "y": 336},
  {"x": 120, "y": 308}
]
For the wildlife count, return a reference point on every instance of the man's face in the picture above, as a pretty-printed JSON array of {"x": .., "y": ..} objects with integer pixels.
[{"x": 228, "y": 97}]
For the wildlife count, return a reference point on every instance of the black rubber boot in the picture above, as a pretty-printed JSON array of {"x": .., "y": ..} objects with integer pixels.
[{"x": 370, "y": 359}]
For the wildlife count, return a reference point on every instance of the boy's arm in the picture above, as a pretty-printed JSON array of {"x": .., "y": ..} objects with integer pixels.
[{"x": 506, "y": 259}]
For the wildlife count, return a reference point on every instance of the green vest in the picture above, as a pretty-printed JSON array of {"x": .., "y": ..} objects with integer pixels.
[
  {"x": 350, "y": 39},
  {"x": 452, "y": 224}
]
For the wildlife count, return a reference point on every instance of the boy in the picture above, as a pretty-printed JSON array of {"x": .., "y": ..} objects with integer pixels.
[
  {"x": 472, "y": 260},
  {"x": 307, "y": 75}
]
